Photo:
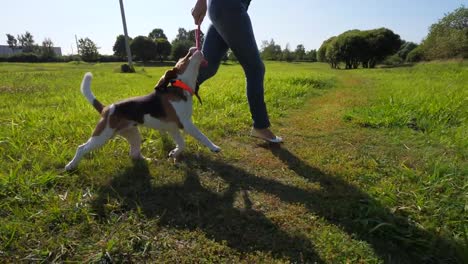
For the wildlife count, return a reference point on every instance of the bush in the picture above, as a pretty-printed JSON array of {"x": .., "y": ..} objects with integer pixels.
[
  {"x": 405, "y": 49},
  {"x": 110, "y": 58},
  {"x": 125, "y": 68},
  {"x": 416, "y": 55},
  {"x": 393, "y": 60},
  {"x": 24, "y": 57},
  {"x": 449, "y": 37},
  {"x": 69, "y": 58}
]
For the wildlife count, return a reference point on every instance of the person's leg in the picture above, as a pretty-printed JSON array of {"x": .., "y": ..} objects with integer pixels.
[
  {"x": 214, "y": 48},
  {"x": 231, "y": 21}
]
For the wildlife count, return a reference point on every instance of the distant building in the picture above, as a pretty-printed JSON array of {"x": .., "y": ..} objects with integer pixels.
[{"x": 7, "y": 51}]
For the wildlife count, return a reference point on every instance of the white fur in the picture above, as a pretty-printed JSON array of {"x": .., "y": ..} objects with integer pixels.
[{"x": 86, "y": 87}]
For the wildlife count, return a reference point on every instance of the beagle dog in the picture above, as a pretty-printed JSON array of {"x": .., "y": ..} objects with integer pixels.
[{"x": 168, "y": 108}]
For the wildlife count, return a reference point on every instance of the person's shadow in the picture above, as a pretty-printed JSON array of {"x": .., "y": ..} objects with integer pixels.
[{"x": 191, "y": 206}]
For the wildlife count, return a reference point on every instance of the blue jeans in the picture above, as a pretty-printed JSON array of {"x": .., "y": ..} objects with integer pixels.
[{"x": 231, "y": 28}]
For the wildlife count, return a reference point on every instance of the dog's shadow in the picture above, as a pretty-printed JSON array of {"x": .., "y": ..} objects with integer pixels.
[{"x": 191, "y": 206}]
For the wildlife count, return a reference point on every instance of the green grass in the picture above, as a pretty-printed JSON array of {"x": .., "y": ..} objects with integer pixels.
[
  {"x": 431, "y": 98},
  {"x": 373, "y": 169}
]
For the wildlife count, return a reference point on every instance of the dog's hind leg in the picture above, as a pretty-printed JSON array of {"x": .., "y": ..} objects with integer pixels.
[
  {"x": 180, "y": 144},
  {"x": 94, "y": 142},
  {"x": 132, "y": 135}
]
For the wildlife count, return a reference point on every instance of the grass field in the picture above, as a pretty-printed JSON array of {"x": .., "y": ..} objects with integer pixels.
[{"x": 374, "y": 169}]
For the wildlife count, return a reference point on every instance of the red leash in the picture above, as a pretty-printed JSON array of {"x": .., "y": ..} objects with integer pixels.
[
  {"x": 197, "y": 37},
  {"x": 204, "y": 62}
]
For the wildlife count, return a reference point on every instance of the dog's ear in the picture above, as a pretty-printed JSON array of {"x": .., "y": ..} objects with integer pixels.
[{"x": 164, "y": 81}]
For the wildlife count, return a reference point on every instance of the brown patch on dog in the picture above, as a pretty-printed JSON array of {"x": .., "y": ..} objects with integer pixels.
[
  {"x": 179, "y": 68},
  {"x": 164, "y": 80},
  {"x": 118, "y": 123},
  {"x": 171, "y": 115},
  {"x": 101, "y": 125}
]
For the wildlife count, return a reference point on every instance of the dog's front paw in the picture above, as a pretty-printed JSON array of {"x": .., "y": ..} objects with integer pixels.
[
  {"x": 174, "y": 154},
  {"x": 215, "y": 149}
]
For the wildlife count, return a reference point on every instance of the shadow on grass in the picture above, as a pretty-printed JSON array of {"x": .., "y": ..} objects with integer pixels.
[
  {"x": 156, "y": 64},
  {"x": 191, "y": 206},
  {"x": 403, "y": 65},
  {"x": 393, "y": 236}
]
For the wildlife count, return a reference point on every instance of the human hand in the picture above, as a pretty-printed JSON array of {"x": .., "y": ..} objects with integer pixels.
[{"x": 199, "y": 11}]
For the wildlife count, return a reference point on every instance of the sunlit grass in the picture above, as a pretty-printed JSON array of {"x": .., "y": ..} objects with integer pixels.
[
  {"x": 390, "y": 189},
  {"x": 431, "y": 98}
]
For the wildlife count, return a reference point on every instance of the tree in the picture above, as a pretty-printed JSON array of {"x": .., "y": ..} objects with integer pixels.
[
  {"x": 382, "y": 42},
  {"x": 183, "y": 42},
  {"x": 192, "y": 36},
  {"x": 47, "y": 49},
  {"x": 356, "y": 47},
  {"x": 300, "y": 52},
  {"x": 270, "y": 51},
  {"x": 448, "y": 38},
  {"x": 180, "y": 48},
  {"x": 352, "y": 46},
  {"x": 12, "y": 42},
  {"x": 416, "y": 55},
  {"x": 163, "y": 48},
  {"x": 87, "y": 49},
  {"x": 311, "y": 55},
  {"x": 287, "y": 55},
  {"x": 321, "y": 53},
  {"x": 332, "y": 54},
  {"x": 405, "y": 49},
  {"x": 26, "y": 42},
  {"x": 157, "y": 33},
  {"x": 182, "y": 35},
  {"x": 144, "y": 48},
  {"x": 119, "y": 46}
]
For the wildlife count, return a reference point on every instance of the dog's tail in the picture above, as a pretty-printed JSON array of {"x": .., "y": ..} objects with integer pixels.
[{"x": 86, "y": 91}]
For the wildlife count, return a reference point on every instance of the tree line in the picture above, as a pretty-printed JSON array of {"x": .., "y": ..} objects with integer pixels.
[
  {"x": 272, "y": 51},
  {"x": 448, "y": 38},
  {"x": 25, "y": 42},
  {"x": 156, "y": 46}
]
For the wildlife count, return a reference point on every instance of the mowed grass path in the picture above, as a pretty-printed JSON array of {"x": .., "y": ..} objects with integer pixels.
[{"x": 373, "y": 170}]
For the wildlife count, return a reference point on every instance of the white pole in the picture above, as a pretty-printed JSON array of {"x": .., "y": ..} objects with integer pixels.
[
  {"x": 127, "y": 45},
  {"x": 77, "y": 47}
]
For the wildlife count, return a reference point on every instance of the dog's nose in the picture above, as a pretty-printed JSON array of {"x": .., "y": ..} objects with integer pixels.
[{"x": 192, "y": 50}]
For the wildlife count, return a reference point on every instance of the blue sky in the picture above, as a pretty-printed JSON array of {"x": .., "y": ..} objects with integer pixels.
[{"x": 292, "y": 22}]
